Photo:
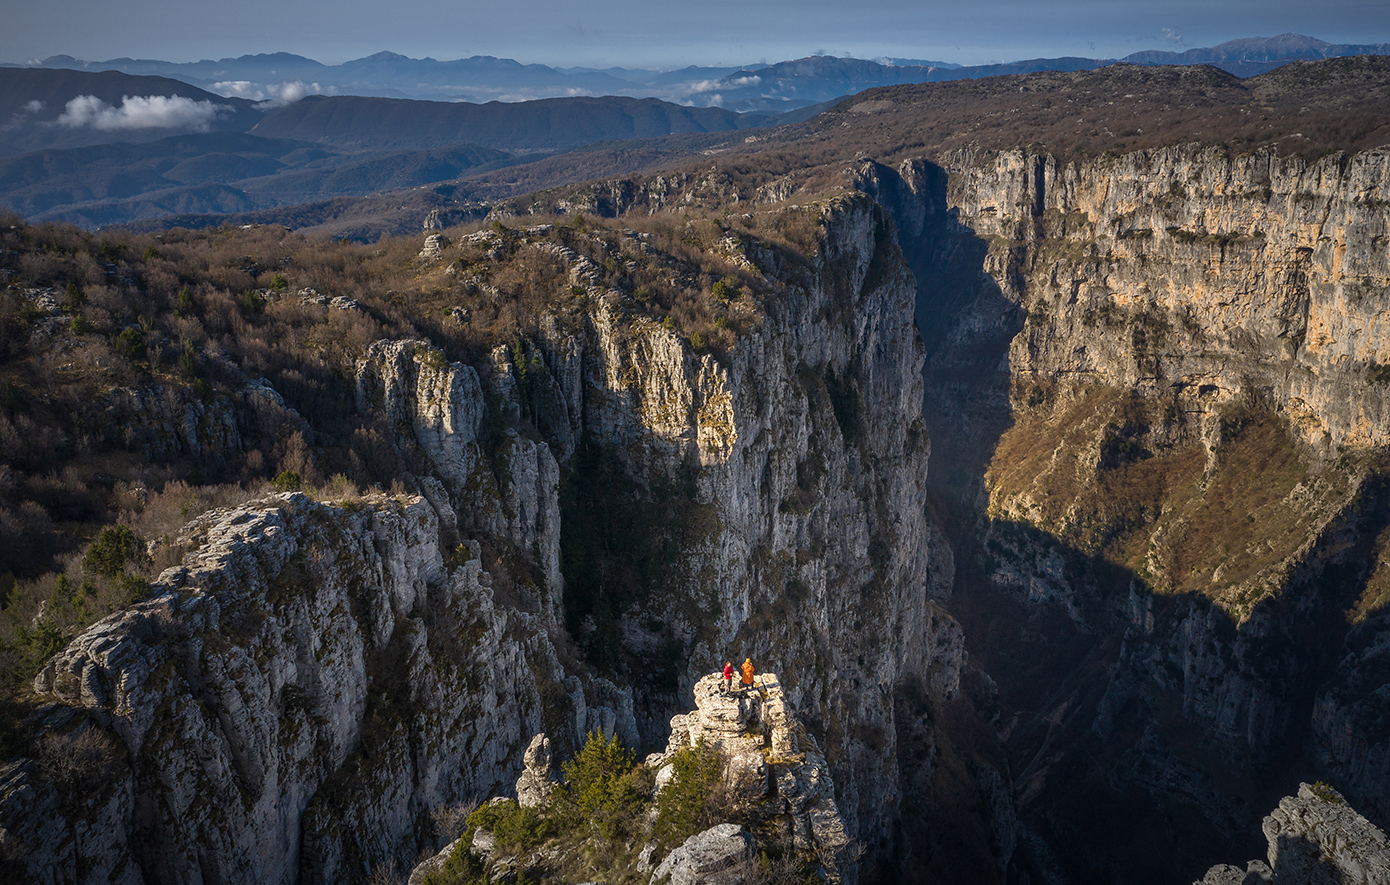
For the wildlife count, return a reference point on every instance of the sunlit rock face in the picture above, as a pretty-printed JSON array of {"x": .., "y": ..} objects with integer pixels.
[
  {"x": 318, "y": 676},
  {"x": 1156, "y": 390}
]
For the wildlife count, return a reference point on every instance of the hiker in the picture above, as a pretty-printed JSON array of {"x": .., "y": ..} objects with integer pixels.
[
  {"x": 728, "y": 676},
  {"x": 747, "y": 672}
]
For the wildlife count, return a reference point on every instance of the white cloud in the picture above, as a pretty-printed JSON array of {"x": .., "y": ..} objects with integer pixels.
[
  {"x": 237, "y": 89},
  {"x": 1171, "y": 36},
  {"x": 140, "y": 112},
  {"x": 269, "y": 95},
  {"x": 34, "y": 107}
]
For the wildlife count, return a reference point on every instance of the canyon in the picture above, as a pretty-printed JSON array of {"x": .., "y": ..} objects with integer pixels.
[{"x": 1050, "y": 483}]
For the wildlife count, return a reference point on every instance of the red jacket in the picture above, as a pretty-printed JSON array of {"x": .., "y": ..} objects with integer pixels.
[{"x": 728, "y": 671}]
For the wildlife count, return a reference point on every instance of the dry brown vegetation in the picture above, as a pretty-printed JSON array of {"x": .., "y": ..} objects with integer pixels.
[{"x": 1134, "y": 483}]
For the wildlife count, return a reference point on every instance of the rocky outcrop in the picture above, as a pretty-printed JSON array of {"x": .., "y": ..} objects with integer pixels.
[
  {"x": 296, "y": 695},
  {"x": 770, "y": 760},
  {"x": 774, "y": 779},
  {"x": 537, "y": 782},
  {"x": 434, "y": 247},
  {"x": 1314, "y": 837},
  {"x": 718, "y": 856}
]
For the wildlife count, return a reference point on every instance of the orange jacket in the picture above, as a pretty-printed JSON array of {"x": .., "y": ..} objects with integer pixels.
[{"x": 747, "y": 673}]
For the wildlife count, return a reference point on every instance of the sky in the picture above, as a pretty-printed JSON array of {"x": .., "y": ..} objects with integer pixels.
[{"x": 664, "y": 34}]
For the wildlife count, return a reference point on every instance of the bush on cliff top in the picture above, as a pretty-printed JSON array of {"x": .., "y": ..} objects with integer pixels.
[
  {"x": 591, "y": 821},
  {"x": 694, "y": 800},
  {"x": 600, "y": 789}
]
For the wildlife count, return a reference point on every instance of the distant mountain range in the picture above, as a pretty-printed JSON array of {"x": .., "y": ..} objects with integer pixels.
[
  {"x": 279, "y": 77},
  {"x": 101, "y": 148},
  {"x": 128, "y": 140}
]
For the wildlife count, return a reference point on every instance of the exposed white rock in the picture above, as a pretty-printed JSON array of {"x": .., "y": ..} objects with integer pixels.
[
  {"x": 717, "y": 856},
  {"x": 434, "y": 247},
  {"x": 1314, "y": 838},
  {"x": 795, "y": 501},
  {"x": 432, "y": 864},
  {"x": 762, "y": 742},
  {"x": 538, "y": 781},
  {"x": 296, "y": 695}
]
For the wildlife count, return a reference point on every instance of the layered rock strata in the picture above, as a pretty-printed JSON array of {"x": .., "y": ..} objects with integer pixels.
[{"x": 1155, "y": 373}]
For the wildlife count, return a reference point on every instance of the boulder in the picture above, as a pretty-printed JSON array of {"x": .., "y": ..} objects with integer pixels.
[
  {"x": 1315, "y": 838},
  {"x": 434, "y": 246},
  {"x": 717, "y": 856},
  {"x": 433, "y": 864}
]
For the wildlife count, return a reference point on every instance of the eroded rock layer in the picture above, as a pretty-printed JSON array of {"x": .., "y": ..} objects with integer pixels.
[{"x": 1156, "y": 396}]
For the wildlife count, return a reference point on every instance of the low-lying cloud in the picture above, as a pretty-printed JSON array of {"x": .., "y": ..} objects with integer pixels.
[
  {"x": 269, "y": 95},
  {"x": 140, "y": 112}
]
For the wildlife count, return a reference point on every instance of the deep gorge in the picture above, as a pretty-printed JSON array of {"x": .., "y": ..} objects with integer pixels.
[{"x": 1053, "y": 490}]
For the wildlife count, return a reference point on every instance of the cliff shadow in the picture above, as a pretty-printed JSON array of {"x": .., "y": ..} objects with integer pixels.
[
  {"x": 966, "y": 322},
  {"x": 1122, "y": 759}
]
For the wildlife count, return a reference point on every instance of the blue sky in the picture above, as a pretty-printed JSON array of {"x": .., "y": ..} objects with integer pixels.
[{"x": 663, "y": 34}]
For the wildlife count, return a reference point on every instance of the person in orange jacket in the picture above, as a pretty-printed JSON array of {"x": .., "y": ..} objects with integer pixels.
[
  {"x": 728, "y": 676},
  {"x": 747, "y": 672}
]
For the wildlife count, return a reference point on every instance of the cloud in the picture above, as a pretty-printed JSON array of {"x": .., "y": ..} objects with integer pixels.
[
  {"x": 140, "y": 112},
  {"x": 237, "y": 89},
  {"x": 34, "y": 107},
  {"x": 271, "y": 95},
  {"x": 1171, "y": 36}
]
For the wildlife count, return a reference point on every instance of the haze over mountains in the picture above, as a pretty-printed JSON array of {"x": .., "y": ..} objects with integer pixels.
[
  {"x": 127, "y": 140},
  {"x": 783, "y": 86}
]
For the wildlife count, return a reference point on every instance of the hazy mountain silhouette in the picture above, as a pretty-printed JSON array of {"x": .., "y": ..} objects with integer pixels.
[{"x": 784, "y": 85}]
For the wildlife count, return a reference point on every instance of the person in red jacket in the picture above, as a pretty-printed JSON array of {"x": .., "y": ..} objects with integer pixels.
[{"x": 728, "y": 676}]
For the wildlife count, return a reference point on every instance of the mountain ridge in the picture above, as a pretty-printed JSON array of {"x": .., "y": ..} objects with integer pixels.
[{"x": 483, "y": 77}]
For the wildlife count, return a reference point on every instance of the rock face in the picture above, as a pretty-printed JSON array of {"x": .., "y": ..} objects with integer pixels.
[
  {"x": 804, "y": 543},
  {"x": 1154, "y": 388},
  {"x": 295, "y": 696},
  {"x": 314, "y": 680},
  {"x": 1315, "y": 837}
]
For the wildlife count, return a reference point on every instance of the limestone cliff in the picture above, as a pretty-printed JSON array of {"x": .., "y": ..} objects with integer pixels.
[
  {"x": 1155, "y": 391},
  {"x": 774, "y": 796},
  {"x": 316, "y": 678},
  {"x": 804, "y": 541},
  {"x": 293, "y": 701},
  {"x": 1314, "y": 837}
]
